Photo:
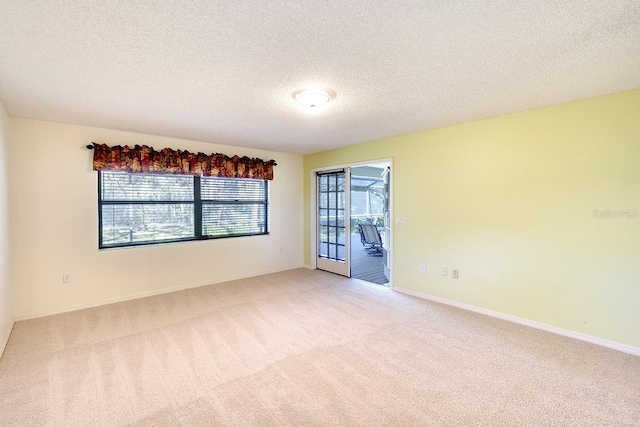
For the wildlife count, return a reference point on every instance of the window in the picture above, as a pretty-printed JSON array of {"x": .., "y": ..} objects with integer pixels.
[{"x": 140, "y": 209}]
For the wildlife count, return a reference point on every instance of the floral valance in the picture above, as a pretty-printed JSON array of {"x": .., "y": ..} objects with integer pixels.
[{"x": 144, "y": 159}]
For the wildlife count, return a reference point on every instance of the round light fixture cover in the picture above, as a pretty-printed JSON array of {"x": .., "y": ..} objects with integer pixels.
[{"x": 312, "y": 98}]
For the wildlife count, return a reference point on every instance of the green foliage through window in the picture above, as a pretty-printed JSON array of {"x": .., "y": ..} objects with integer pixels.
[{"x": 140, "y": 209}]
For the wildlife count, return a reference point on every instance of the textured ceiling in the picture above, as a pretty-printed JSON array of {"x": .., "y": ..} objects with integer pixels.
[{"x": 224, "y": 71}]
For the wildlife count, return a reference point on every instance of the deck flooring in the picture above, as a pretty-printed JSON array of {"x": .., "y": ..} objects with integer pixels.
[{"x": 363, "y": 267}]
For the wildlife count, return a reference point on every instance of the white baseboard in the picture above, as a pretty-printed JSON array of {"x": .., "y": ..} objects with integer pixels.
[
  {"x": 142, "y": 295},
  {"x": 5, "y": 339},
  {"x": 307, "y": 266},
  {"x": 531, "y": 323}
]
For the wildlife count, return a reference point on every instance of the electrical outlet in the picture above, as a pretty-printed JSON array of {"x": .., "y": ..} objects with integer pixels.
[
  {"x": 423, "y": 268},
  {"x": 66, "y": 278},
  {"x": 445, "y": 272},
  {"x": 454, "y": 274},
  {"x": 401, "y": 221}
]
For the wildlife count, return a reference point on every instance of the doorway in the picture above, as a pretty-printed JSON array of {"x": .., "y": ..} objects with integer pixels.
[
  {"x": 351, "y": 221},
  {"x": 370, "y": 226}
]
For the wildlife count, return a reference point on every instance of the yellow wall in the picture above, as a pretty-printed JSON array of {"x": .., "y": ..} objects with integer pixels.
[
  {"x": 6, "y": 290},
  {"x": 54, "y": 222},
  {"x": 509, "y": 202}
]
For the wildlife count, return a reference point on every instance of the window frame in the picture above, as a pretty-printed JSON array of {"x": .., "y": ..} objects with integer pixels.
[{"x": 197, "y": 203}]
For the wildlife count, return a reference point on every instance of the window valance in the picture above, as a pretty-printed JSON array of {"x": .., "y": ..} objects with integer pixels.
[{"x": 144, "y": 159}]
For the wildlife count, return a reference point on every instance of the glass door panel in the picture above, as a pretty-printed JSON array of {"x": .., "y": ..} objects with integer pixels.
[{"x": 332, "y": 205}]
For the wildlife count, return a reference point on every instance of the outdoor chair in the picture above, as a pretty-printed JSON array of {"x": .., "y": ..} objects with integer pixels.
[{"x": 371, "y": 240}]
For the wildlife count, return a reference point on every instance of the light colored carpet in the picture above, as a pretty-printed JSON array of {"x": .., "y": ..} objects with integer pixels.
[{"x": 304, "y": 348}]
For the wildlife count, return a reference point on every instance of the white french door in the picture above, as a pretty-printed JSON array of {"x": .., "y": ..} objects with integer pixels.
[{"x": 333, "y": 232}]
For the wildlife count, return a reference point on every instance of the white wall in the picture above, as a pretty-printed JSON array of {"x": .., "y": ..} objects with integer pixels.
[
  {"x": 55, "y": 225},
  {"x": 6, "y": 295}
]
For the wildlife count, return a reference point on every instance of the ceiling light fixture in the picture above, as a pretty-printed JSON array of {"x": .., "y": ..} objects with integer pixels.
[{"x": 313, "y": 98}]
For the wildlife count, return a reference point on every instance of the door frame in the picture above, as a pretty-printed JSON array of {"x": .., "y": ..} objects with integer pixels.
[{"x": 313, "y": 199}]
